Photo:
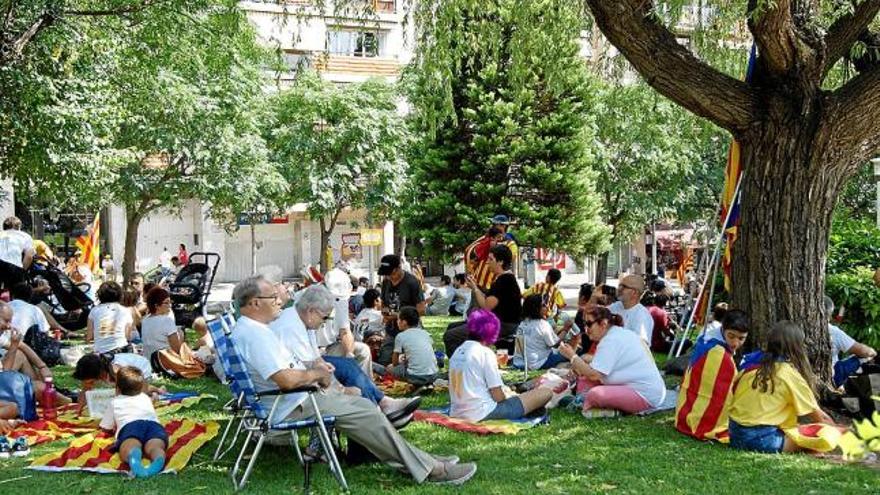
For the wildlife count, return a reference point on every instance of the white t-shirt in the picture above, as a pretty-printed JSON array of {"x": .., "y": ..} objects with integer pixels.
[
  {"x": 462, "y": 299},
  {"x": 264, "y": 356},
  {"x": 416, "y": 343},
  {"x": 290, "y": 330},
  {"x": 26, "y": 315},
  {"x": 625, "y": 359},
  {"x": 139, "y": 362},
  {"x": 712, "y": 331},
  {"x": 109, "y": 322},
  {"x": 13, "y": 244},
  {"x": 442, "y": 299},
  {"x": 840, "y": 343},
  {"x": 473, "y": 370},
  {"x": 369, "y": 320},
  {"x": 539, "y": 341},
  {"x": 328, "y": 333},
  {"x": 127, "y": 408},
  {"x": 637, "y": 319},
  {"x": 155, "y": 330}
]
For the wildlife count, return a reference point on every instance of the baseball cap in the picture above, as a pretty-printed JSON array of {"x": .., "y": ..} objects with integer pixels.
[
  {"x": 388, "y": 263},
  {"x": 500, "y": 220}
]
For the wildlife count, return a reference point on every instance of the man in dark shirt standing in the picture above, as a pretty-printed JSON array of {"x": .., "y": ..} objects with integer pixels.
[
  {"x": 504, "y": 299},
  {"x": 399, "y": 289}
]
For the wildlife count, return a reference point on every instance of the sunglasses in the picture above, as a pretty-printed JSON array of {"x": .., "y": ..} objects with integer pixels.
[{"x": 589, "y": 323}]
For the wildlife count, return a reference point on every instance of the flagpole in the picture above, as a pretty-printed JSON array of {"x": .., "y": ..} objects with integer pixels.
[{"x": 713, "y": 266}]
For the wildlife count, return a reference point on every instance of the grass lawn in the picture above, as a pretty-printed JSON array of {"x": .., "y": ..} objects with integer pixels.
[{"x": 570, "y": 455}]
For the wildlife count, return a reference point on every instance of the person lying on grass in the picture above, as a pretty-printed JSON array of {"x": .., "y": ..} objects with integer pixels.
[
  {"x": 132, "y": 417},
  {"x": 704, "y": 400},
  {"x": 475, "y": 383},
  {"x": 622, "y": 376},
  {"x": 775, "y": 388},
  {"x": 94, "y": 369}
]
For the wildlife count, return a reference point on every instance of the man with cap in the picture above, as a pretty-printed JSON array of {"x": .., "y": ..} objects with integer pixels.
[
  {"x": 636, "y": 317},
  {"x": 399, "y": 288}
]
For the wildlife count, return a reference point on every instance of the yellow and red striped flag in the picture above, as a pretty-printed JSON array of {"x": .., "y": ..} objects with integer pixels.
[{"x": 89, "y": 245}]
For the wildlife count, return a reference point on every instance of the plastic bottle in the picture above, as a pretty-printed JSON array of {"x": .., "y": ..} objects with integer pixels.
[{"x": 49, "y": 411}]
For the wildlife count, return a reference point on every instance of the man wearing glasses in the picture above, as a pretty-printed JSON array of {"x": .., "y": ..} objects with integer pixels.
[
  {"x": 271, "y": 366},
  {"x": 636, "y": 317}
]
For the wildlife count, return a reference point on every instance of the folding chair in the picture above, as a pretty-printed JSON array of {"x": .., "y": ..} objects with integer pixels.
[
  {"x": 219, "y": 328},
  {"x": 257, "y": 421},
  {"x": 520, "y": 348}
]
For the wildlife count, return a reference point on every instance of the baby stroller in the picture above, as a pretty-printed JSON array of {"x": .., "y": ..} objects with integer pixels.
[
  {"x": 191, "y": 287},
  {"x": 68, "y": 301}
]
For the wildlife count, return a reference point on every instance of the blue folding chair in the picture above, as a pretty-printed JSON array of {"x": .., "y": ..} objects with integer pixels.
[
  {"x": 257, "y": 421},
  {"x": 219, "y": 329}
]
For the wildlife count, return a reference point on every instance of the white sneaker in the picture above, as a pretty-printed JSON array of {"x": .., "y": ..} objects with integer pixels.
[{"x": 453, "y": 474}]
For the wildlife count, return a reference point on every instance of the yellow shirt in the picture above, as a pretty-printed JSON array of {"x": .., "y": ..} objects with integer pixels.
[
  {"x": 790, "y": 398},
  {"x": 42, "y": 249},
  {"x": 555, "y": 300}
]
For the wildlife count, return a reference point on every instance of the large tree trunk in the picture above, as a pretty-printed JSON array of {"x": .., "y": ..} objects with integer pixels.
[
  {"x": 788, "y": 196},
  {"x": 133, "y": 219},
  {"x": 602, "y": 268}
]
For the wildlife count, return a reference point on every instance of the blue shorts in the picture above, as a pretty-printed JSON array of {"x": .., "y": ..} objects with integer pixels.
[
  {"x": 143, "y": 430},
  {"x": 511, "y": 408},
  {"x": 766, "y": 439}
]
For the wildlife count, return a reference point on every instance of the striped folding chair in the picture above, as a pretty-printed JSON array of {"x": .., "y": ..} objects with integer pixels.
[
  {"x": 219, "y": 330},
  {"x": 257, "y": 421}
]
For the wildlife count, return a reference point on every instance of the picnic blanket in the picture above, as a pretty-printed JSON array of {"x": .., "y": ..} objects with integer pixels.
[
  {"x": 397, "y": 388},
  {"x": 440, "y": 416},
  {"x": 68, "y": 424},
  {"x": 92, "y": 453}
]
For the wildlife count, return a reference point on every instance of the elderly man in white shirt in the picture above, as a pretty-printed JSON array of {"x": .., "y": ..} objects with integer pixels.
[
  {"x": 636, "y": 317},
  {"x": 272, "y": 366}
]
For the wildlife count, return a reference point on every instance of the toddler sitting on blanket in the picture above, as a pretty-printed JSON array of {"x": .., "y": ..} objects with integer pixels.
[{"x": 138, "y": 432}]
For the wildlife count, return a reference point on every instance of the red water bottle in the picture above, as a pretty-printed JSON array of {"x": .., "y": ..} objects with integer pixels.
[{"x": 49, "y": 411}]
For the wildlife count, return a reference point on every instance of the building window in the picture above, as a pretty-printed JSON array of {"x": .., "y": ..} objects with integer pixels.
[{"x": 356, "y": 43}]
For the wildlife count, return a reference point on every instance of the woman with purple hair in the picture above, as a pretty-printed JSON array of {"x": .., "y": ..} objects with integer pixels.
[{"x": 475, "y": 382}]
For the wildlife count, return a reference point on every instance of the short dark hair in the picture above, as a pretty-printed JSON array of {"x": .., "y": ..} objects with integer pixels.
[
  {"x": 370, "y": 298},
  {"x": 554, "y": 275},
  {"x": 660, "y": 300},
  {"x": 736, "y": 319},
  {"x": 502, "y": 255},
  {"x": 445, "y": 280},
  {"x": 461, "y": 278},
  {"x": 11, "y": 223},
  {"x": 410, "y": 315},
  {"x": 91, "y": 366},
  {"x": 130, "y": 297},
  {"x": 493, "y": 231},
  {"x": 586, "y": 291},
  {"x": 137, "y": 275},
  {"x": 109, "y": 292},
  {"x": 22, "y": 291},
  {"x": 719, "y": 310},
  {"x": 129, "y": 380},
  {"x": 175, "y": 258},
  {"x": 532, "y": 307},
  {"x": 155, "y": 298}
]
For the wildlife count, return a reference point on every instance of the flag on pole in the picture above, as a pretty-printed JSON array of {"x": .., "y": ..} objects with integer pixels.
[
  {"x": 730, "y": 200},
  {"x": 687, "y": 263},
  {"x": 89, "y": 245}
]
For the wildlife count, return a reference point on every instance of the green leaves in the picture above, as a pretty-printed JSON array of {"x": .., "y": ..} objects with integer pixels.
[{"x": 339, "y": 146}]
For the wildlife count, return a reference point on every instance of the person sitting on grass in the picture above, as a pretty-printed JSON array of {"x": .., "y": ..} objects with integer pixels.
[
  {"x": 621, "y": 376},
  {"x": 96, "y": 369},
  {"x": 413, "y": 360},
  {"x": 842, "y": 343},
  {"x": 132, "y": 416},
  {"x": 704, "y": 399},
  {"x": 110, "y": 324},
  {"x": 712, "y": 330},
  {"x": 369, "y": 322},
  {"x": 775, "y": 388},
  {"x": 548, "y": 289},
  {"x": 539, "y": 341},
  {"x": 475, "y": 385}
]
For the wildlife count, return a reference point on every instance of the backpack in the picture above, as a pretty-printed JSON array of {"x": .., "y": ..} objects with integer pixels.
[
  {"x": 44, "y": 346},
  {"x": 17, "y": 389}
]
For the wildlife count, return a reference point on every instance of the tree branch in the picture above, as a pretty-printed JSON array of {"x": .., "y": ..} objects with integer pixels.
[
  {"x": 124, "y": 9},
  {"x": 846, "y": 30},
  {"x": 672, "y": 69},
  {"x": 775, "y": 35},
  {"x": 16, "y": 48},
  {"x": 852, "y": 113}
]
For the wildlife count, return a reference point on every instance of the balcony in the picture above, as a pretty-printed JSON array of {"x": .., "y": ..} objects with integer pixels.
[{"x": 357, "y": 66}]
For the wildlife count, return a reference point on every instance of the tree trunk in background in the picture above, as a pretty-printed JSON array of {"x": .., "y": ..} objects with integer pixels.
[
  {"x": 132, "y": 224},
  {"x": 602, "y": 268}
]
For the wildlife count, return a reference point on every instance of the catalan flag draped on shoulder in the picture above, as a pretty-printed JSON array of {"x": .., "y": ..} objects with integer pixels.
[
  {"x": 704, "y": 398},
  {"x": 730, "y": 199},
  {"x": 89, "y": 245}
]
